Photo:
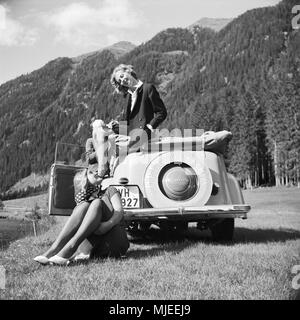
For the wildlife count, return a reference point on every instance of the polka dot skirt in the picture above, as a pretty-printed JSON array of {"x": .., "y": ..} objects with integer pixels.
[{"x": 85, "y": 194}]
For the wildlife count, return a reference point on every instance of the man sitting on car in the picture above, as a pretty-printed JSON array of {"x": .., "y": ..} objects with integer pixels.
[{"x": 145, "y": 109}]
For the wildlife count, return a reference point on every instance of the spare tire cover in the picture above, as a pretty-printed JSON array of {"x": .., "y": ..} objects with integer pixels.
[{"x": 153, "y": 186}]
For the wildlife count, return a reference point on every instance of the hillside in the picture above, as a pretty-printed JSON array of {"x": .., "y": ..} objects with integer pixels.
[
  {"x": 39, "y": 109},
  {"x": 244, "y": 78},
  {"x": 118, "y": 49},
  {"x": 214, "y": 24},
  {"x": 58, "y": 102}
]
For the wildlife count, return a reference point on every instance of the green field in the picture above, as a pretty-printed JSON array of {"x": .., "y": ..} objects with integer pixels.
[{"x": 257, "y": 265}]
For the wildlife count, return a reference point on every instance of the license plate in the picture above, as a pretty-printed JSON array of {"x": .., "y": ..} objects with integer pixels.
[{"x": 130, "y": 196}]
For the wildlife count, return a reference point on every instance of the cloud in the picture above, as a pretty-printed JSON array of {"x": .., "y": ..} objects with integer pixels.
[
  {"x": 13, "y": 33},
  {"x": 82, "y": 25}
]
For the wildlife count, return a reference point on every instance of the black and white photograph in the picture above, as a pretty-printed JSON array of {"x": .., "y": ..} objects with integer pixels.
[{"x": 149, "y": 152}]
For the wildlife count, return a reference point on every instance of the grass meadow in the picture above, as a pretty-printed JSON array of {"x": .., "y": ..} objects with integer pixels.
[{"x": 256, "y": 265}]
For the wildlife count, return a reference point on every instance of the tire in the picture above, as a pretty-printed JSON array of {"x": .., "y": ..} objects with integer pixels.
[
  {"x": 178, "y": 178},
  {"x": 223, "y": 230}
]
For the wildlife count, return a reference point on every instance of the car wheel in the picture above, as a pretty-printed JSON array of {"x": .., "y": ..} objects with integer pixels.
[
  {"x": 223, "y": 230},
  {"x": 178, "y": 178}
]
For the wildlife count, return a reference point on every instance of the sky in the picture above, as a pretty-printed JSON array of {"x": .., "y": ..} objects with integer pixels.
[{"x": 33, "y": 32}]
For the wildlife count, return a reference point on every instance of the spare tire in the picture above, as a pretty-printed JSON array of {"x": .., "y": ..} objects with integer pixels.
[{"x": 178, "y": 178}]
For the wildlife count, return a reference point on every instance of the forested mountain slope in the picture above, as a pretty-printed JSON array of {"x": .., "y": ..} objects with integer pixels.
[{"x": 244, "y": 78}]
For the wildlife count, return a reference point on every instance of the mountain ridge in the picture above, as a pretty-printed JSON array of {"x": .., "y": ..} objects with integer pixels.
[
  {"x": 118, "y": 49},
  {"x": 207, "y": 79},
  {"x": 215, "y": 24}
]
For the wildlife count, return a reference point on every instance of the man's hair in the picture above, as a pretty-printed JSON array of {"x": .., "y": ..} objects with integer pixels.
[{"x": 121, "y": 67}]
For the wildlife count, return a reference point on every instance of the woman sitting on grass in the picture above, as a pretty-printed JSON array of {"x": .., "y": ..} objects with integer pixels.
[{"x": 95, "y": 228}]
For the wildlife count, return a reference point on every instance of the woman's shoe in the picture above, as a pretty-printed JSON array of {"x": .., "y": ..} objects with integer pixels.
[
  {"x": 59, "y": 261},
  {"x": 81, "y": 257},
  {"x": 41, "y": 259}
]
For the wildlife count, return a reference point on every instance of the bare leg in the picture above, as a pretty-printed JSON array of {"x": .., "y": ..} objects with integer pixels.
[
  {"x": 69, "y": 229},
  {"x": 90, "y": 223},
  {"x": 100, "y": 141}
]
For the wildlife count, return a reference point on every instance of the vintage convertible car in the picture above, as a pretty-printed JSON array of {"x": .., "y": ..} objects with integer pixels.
[{"x": 170, "y": 183}]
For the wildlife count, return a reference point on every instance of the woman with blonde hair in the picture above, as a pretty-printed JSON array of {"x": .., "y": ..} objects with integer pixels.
[{"x": 95, "y": 227}]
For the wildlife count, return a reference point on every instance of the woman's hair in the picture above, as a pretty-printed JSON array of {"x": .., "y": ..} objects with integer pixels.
[
  {"x": 121, "y": 67},
  {"x": 80, "y": 180}
]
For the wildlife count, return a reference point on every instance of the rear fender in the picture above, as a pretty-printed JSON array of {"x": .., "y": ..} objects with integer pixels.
[{"x": 235, "y": 190}]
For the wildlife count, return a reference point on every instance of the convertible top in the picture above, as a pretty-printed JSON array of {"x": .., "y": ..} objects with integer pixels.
[
  {"x": 208, "y": 141},
  {"x": 216, "y": 141}
]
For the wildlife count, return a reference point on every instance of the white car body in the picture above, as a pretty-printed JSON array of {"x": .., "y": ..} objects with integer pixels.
[{"x": 171, "y": 182}]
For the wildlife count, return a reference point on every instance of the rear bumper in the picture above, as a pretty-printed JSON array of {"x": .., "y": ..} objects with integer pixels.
[{"x": 188, "y": 214}]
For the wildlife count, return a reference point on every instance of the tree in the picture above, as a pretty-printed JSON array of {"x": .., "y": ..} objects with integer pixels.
[{"x": 1, "y": 205}]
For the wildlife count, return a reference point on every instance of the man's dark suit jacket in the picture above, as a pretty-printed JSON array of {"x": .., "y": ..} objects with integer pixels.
[{"x": 148, "y": 109}]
